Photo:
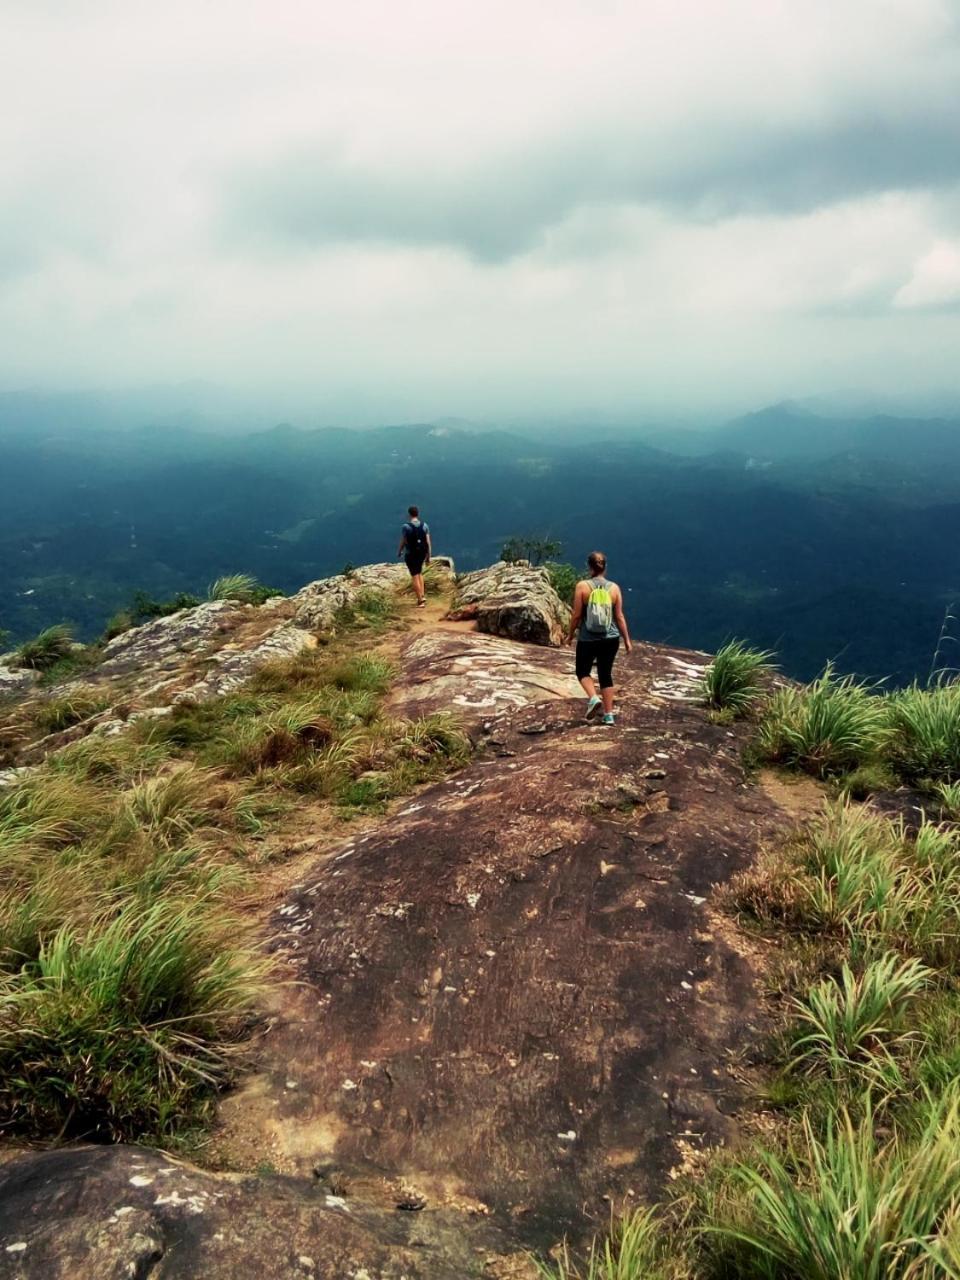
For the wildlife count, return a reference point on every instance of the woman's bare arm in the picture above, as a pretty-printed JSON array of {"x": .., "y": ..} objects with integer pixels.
[
  {"x": 576, "y": 617},
  {"x": 620, "y": 620}
]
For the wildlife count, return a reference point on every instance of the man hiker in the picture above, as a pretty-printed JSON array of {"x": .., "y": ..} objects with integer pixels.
[
  {"x": 416, "y": 550},
  {"x": 598, "y": 624}
]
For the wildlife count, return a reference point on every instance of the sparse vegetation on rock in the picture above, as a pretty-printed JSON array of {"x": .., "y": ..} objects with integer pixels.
[
  {"x": 47, "y": 649},
  {"x": 243, "y": 588},
  {"x": 127, "y": 978}
]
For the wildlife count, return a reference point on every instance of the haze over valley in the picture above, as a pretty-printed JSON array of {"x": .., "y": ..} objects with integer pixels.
[{"x": 821, "y": 537}]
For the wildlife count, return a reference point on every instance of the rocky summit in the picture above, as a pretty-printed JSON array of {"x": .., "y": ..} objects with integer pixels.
[{"x": 503, "y": 1005}]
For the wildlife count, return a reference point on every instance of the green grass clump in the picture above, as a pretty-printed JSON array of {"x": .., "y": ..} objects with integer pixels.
[
  {"x": 168, "y": 808},
  {"x": 852, "y": 1027},
  {"x": 867, "y": 780},
  {"x": 635, "y": 1248},
  {"x": 121, "y": 758},
  {"x": 285, "y": 735},
  {"x": 922, "y": 739},
  {"x": 368, "y": 610},
  {"x": 734, "y": 680},
  {"x": 844, "y": 1203},
  {"x": 80, "y": 660},
  {"x": 948, "y": 794},
  {"x": 55, "y": 714},
  {"x": 47, "y": 649},
  {"x": 830, "y": 727},
  {"x": 243, "y": 588},
  {"x": 362, "y": 673},
  {"x": 119, "y": 1030},
  {"x": 859, "y": 879}
]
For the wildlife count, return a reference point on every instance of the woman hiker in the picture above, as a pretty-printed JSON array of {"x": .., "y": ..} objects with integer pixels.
[
  {"x": 598, "y": 624},
  {"x": 416, "y": 550}
]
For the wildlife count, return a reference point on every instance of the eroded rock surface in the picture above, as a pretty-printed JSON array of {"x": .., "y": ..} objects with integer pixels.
[
  {"x": 125, "y": 1213},
  {"x": 15, "y": 680},
  {"x": 512, "y": 600},
  {"x": 514, "y": 994},
  {"x": 477, "y": 676}
]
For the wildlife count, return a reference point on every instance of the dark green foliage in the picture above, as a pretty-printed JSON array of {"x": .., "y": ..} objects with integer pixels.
[
  {"x": 143, "y": 609},
  {"x": 530, "y": 547},
  {"x": 563, "y": 579}
]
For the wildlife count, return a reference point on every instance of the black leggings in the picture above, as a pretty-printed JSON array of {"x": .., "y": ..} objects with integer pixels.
[{"x": 601, "y": 652}]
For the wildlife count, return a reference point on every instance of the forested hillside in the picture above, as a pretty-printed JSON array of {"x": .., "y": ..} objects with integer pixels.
[{"x": 819, "y": 538}]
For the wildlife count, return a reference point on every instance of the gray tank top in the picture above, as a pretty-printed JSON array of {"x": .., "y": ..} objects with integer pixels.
[{"x": 613, "y": 632}]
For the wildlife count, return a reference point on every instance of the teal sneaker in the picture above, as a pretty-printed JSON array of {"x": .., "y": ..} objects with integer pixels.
[
  {"x": 609, "y": 718},
  {"x": 593, "y": 706}
]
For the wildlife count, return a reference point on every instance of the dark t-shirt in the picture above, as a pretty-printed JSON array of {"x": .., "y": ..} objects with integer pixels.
[{"x": 409, "y": 537}]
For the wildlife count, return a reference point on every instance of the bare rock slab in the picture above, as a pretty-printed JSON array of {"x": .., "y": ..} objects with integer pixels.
[
  {"x": 515, "y": 601},
  {"x": 116, "y": 1213}
]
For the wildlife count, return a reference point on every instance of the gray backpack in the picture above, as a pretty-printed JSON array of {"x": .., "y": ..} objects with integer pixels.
[{"x": 599, "y": 615}]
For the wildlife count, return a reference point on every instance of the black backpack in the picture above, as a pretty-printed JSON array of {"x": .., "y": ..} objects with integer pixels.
[{"x": 416, "y": 537}]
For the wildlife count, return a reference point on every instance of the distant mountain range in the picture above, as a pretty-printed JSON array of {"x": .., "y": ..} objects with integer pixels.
[{"x": 822, "y": 537}]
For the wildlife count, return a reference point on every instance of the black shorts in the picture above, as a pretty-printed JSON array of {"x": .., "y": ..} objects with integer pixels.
[
  {"x": 414, "y": 562},
  {"x": 601, "y": 652}
]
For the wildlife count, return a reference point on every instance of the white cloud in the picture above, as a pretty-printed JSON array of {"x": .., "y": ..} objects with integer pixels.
[
  {"x": 452, "y": 207},
  {"x": 935, "y": 281}
]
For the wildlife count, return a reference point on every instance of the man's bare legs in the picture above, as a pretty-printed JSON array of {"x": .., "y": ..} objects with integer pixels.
[
  {"x": 588, "y": 686},
  {"x": 419, "y": 588},
  {"x": 607, "y": 696}
]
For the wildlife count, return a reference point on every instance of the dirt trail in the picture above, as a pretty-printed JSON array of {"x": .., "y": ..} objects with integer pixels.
[{"x": 509, "y": 1000}]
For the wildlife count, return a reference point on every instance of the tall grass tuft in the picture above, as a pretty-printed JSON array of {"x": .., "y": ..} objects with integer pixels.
[
  {"x": 922, "y": 732},
  {"x": 634, "y": 1249},
  {"x": 361, "y": 673},
  {"x": 860, "y": 879},
  {"x": 123, "y": 1029},
  {"x": 847, "y": 1205},
  {"x": 47, "y": 649},
  {"x": 829, "y": 727},
  {"x": 168, "y": 808},
  {"x": 241, "y": 587},
  {"x": 852, "y": 1026},
  {"x": 949, "y": 795},
  {"x": 55, "y": 714},
  {"x": 734, "y": 680},
  {"x": 438, "y": 734}
]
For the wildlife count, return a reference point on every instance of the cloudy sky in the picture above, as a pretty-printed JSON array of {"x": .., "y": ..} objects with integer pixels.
[{"x": 405, "y": 208}]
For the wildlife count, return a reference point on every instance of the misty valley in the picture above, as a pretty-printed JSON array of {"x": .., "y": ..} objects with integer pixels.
[{"x": 822, "y": 539}]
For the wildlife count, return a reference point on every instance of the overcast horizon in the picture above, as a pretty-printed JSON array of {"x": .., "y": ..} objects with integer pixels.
[{"x": 498, "y": 211}]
